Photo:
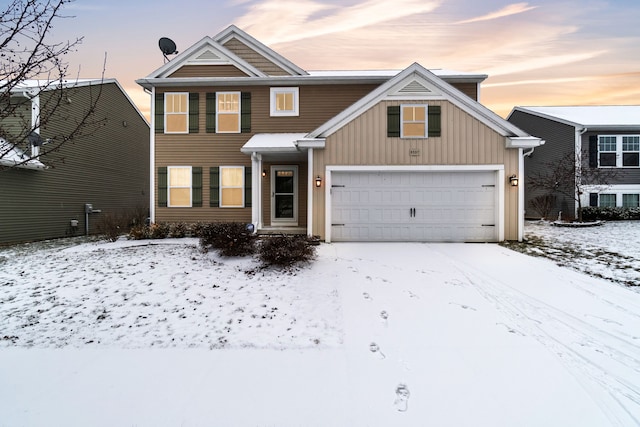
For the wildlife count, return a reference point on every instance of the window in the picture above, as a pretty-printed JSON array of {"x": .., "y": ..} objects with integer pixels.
[
  {"x": 631, "y": 151},
  {"x": 228, "y": 112},
  {"x": 179, "y": 186},
  {"x": 284, "y": 101},
  {"x": 630, "y": 200},
  {"x": 607, "y": 201},
  {"x": 232, "y": 186},
  {"x": 414, "y": 121},
  {"x": 607, "y": 150},
  {"x": 619, "y": 151},
  {"x": 176, "y": 107}
]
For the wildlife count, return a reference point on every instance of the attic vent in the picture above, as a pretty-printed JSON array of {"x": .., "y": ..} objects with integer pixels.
[
  {"x": 414, "y": 87},
  {"x": 207, "y": 56}
]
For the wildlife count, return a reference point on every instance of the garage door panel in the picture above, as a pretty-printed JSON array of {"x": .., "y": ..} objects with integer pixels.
[{"x": 414, "y": 206}]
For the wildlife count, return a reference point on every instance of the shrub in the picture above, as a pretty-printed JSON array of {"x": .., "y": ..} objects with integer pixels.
[
  {"x": 593, "y": 213},
  {"x": 178, "y": 229},
  {"x": 159, "y": 230},
  {"x": 112, "y": 225},
  {"x": 139, "y": 232},
  {"x": 543, "y": 204},
  {"x": 285, "y": 251},
  {"x": 230, "y": 238}
]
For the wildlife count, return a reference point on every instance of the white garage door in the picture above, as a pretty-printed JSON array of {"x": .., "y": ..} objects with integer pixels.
[{"x": 414, "y": 206}]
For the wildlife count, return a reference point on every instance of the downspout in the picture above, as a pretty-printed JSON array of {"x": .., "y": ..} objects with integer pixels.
[
  {"x": 35, "y": 123},
  {"x": 256, "y": 191},
  {"x": 152, "y": 157},
  {"x": 521, "y": 194},
  {"x": 578, "y": 162}
]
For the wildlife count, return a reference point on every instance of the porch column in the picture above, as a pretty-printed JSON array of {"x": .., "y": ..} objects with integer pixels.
[
  {"x": 256, "y": 191},
  {"x": 310, "y": 190}
]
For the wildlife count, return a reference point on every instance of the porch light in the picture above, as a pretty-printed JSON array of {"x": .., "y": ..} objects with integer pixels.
[
  {"x": 318, "y": 181},
  {"x": 513, "y": 180},
  {"x": 264, "y": 173}
]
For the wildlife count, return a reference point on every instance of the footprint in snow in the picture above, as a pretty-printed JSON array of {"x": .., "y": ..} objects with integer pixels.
[
  {"x": 463, "y": 306},
  {"x": 366, "y": 296},
  {"x": 402, "y": 398},
  {"x": 373, "y": 348},
  {"x": 510, "y": 329}
]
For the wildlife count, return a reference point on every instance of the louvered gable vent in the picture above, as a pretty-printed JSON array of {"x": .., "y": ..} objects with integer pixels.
[
  {"x": 208, "y": 56},
  {"x": 414, "y": 87}
]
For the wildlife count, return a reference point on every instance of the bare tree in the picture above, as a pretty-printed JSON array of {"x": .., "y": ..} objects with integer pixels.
[
  {"x": 570, "y": 177},
  {"x": 35, "y": 86}
]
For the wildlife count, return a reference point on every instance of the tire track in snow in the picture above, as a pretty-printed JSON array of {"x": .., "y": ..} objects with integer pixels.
[{"x": 549, "y": 324}]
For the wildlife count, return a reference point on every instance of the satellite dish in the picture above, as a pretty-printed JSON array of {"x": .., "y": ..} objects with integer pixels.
[{"x": 167, "y": 46}]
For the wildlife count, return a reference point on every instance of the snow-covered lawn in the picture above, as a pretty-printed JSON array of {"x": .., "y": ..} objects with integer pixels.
[{"x": 157, "y": 333}]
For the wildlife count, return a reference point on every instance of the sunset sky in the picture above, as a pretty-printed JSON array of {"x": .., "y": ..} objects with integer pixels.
[{"x": 540, "y": 52}]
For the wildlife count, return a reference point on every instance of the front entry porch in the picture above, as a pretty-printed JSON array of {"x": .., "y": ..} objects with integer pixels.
[{"x": 282, "y": 184}]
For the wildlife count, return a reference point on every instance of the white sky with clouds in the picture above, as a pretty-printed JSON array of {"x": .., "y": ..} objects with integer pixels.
[{"x": 539, "y": 52}]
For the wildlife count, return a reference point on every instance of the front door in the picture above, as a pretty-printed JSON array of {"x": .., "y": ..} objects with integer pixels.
[{"x": 284, "y": 195}]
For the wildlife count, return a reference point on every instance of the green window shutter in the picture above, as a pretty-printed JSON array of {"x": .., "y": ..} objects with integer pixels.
[
  {"x": 593, "y": 153},
  {"x": 214, "y": 187},
  {"x": 162, "y": 187},
  {"x": 194, "y": 112},
  {"x": 211, "y": 112},
  {"x": 159, "y": 113},
  {"x": 435, "y": 120},
  {"x": 247, "y": 187},
  {"x": 245, "y": 112},
  {"x": 393, "y": 121},
  {"x": 196, "y": 187}
]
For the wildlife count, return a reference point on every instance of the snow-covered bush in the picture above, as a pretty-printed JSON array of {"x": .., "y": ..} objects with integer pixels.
[{"x": 285, "y": 251}]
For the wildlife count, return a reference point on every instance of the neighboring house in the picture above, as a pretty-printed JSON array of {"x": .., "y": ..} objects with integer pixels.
[
  {"x": 242, "y": 134},
  {"x": 106, "y": 165},
  {"x": 606, "y": 137}
]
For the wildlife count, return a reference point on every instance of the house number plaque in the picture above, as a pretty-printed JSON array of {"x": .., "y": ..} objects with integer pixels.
[{"x": 414, "y": 152}]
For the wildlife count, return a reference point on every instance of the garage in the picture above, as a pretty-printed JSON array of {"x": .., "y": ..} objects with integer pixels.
[{"x": 422, "y": 206}]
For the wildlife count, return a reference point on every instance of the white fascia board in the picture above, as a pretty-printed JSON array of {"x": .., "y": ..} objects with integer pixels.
[
  {"x": 311, "y": 143},
  {"x": 31, "y": 164},
  {"x": 261, "y": 150},
  {"x": 524, "y": 142},
  {"x": 234, "y": 32},
  {"x": 415, "y": 168}
]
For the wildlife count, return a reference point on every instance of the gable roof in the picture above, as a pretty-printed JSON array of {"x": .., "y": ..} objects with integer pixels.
[
  {"x": 590, "y": 116},
  {"x": 207, "y": 51},
  {"x": 233, "y": 32},
  {"x": 416, "y": 82}
]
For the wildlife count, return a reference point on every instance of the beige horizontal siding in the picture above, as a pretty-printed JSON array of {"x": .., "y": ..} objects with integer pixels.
[
  {"x": 254, "y": 58},
  {"x": 208, "y": 71},
  {"x": 464, "y": 141}
]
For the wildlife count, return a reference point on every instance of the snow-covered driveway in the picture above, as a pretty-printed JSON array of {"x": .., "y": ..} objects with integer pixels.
[{"x": 368, "y": 335}]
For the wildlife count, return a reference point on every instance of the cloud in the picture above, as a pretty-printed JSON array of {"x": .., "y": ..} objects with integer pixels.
[
  {"x": 512, "y": 9},
  {"x": 281, "y": 21}
]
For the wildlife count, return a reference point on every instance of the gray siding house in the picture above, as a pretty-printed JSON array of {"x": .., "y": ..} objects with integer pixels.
[
  {"x": 604, "y": 137},
  {"x": 105, "y": 165}
]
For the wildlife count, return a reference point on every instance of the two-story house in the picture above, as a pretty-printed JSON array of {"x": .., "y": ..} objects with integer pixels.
[
  {"x": 104, "y": 163},
  {"x": 603, "y": 137},
  {"x": 240, "y": 133}
]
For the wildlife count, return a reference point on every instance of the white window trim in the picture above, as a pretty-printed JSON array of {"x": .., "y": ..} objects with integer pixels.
[
  {"x": 218, "y": 111},
  {"x": 231, "y": 186},
  {"x": 296, "y": 103},
  {"x": 619, "y": 152},
  {"x": 169, "y": 187},
  {"x": 186, "y": 114},
  {"x": 628, "y": 194},
  {"x": 426, "y": 120}
]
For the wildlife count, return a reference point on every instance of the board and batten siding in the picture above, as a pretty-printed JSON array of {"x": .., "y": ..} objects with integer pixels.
[
  {"x": 254, "y": 58},
  {"x": 464, "y": 141},
  {"x": 109, "y": 168}
]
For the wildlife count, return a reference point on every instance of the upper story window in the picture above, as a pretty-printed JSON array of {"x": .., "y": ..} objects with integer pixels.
[
  {"x": 176, "y": 107},
  {"x": 284, "y": 101},
  {"x": 414, "y": 121},
  {"x": 228, "y": 112},
  {"x": 179, "y": 186},
  {"x": 619, "y": 151}
]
